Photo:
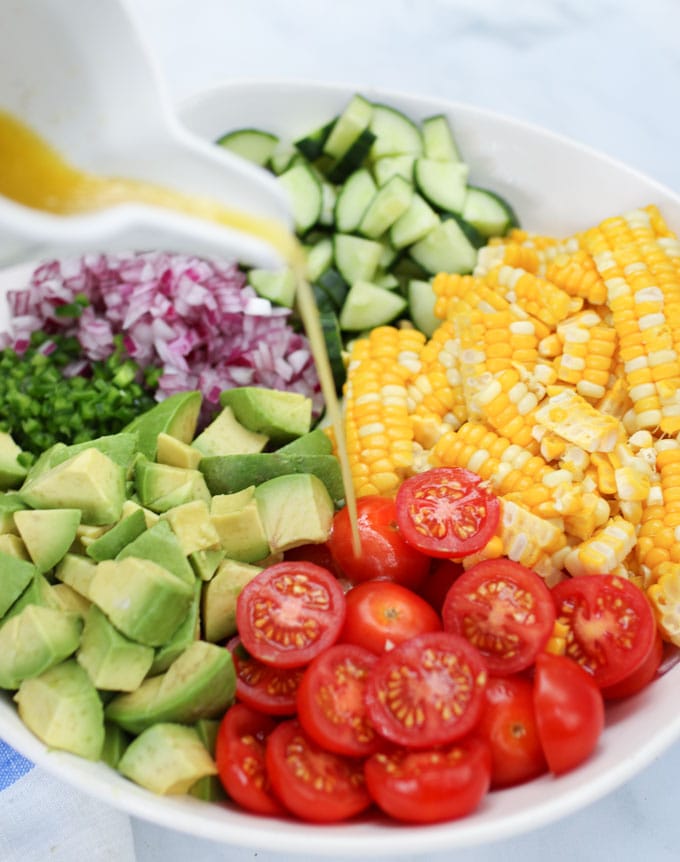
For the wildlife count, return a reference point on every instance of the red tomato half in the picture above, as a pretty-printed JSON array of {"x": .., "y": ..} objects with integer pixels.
[
  {"x": 439, "y": 581},
  {"x": 272, "y": 690},
  {"x": 331, "y": 707},
  {"x": 427, "y": 691},
  {"x": 505, "y": 610},
  {"x": 382, "y": 614},
  {"x": 640, "y": 678},
  {"x": 430, "y": 786},
  {"x": 289, "y": 613},
  {"x": 447, "y": 512},
  {"x": 611, "y": 626},
  {"x": 508, "y": 724},
  {"x": 312, "y": 783},
  {"x": 569, "y": 711},
  {"x": 384, "y": 553},
  {"x": 240, "y": 759}
]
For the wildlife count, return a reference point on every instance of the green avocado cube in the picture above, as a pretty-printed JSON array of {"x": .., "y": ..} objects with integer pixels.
[
  {"x": 112, "y": 661},
  {"x": 47, "y": 534},
  {"x": 15, "y": 576}
]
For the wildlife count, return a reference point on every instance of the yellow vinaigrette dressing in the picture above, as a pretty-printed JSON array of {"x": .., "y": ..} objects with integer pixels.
[{"x": 36, "y": 176}]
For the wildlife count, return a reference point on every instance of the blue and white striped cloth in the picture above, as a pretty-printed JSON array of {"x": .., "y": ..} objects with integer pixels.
[{"x": 41, "y": 818}]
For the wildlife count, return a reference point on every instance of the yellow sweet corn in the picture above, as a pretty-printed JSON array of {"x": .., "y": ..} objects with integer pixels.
[
  {"x": 587, "y": 357},
  {"x": 571, "y": 417},
  {"x": 664, "y": 596},
  {"x": 577, "y": 275},
  {"x": 604, "y": 551},
  {"x": 539, "y": 298}
]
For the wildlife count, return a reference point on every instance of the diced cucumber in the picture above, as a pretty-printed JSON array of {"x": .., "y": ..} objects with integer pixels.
[
  {"x": 319, "y": 257},
  {"x": 368, "y": 306},
  {"x": 488, "y": 212},
  {"x": 311, "y": 146},
  {"x": 395, "y": 133},
  {"x": 445, "y": 249},
  {"x": 334, "y": 286},
  {"x": 356, "y": 258},
  {"x": 389, "y": 202},
  {"x": 418, "y": 220},
  {"x": 284, "y": 158},
  {"x": 328, "y": 199},
  {"x": 252, "y": 144},
  {"x": 388, "y": 257},
  {"x": 353, "y": 199},
  {"x": 386, "y": 280},
  {"x": 421, "y": 302},
  {"x": 353, "y": 159},
  {"x": 276, "y": 285},
  {"x": 349, "y": 125},
  {"x": 470, "y": 231},
  {"x": 305, "y": 195},
  {"x": 323, "y": 300},
  {"x": 442, "y": 184},
  {"x": 384, "y": 169},
  {"x": 438, "y": 140},
  {"x": 334, "y": 347}
]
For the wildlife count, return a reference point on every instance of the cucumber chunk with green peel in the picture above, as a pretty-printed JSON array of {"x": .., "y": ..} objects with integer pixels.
[
  {"x": 445, "y": 249},
  {"x": 488, "y": 212},
  {"x": 276, "y": 285},
  {"x": 442, "y": 184},
  {"x": 356, "y": 258},
  {"x": 354, "y": 158},
  {"x": 353, "y": 199},
  {"x": 389, "y": 166},
  {"x": 438, "y": 140},
  {"x": 415, "y": 223},
  {"x": 318, "y": 257},
  {"x": 349, "y": 125},
  {"x": 421, "y": 303},
  {"x": 252, "y": 144},
  {"x": 395, "y": 134},
  {"x": 368, "y": 306},
  {"x": 387, "y": 205},
  {"x": 304, "y": 194},
  {"x": 312, "y": 145}
]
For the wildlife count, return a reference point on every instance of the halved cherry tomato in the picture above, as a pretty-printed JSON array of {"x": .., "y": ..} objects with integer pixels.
[
  {"x": 569, "y": 711},
  {"x": 427, "y": 691},
  {"x": 611, "y": 626},
  {"x": 313, "y": 553},
  {"x": 505, "y": 610},
  {"x": 272, "y": 690},
  {"x": 384, "y": 553},
  {"x": 382, "y": 614},
  {"x": 508, "y": 724},
  {"x": 640, "y": 678},
  {"x": 447, "y": 512},
  {"x": 439, "y": 581},
  {"x": 430, "y": 786},
  {"x": 330, "y": 700},
  {"x": 312, "y": 783},
  {"x": 289, "y": 613},
  {"x": 240, "y": 759}
]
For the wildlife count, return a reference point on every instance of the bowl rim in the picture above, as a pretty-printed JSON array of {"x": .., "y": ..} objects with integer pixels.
[{"x": 374, "y": 836}]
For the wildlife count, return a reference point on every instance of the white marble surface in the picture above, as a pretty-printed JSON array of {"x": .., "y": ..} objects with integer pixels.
[{"x": 605, "y": 72}]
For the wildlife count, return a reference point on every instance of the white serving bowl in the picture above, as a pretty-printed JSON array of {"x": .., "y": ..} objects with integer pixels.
[{"x": 557, "y": 187}]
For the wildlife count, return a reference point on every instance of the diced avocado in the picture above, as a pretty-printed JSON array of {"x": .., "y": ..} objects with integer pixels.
[
  {"x": 35, "y": 639},
  {"x": 199, "y": 684},
  {"x": 174, "y": 453},
  {"x": 161, "y": 487},
  {"x": 47, "y": 534},
  {"x": 177, "y": 416},
  {"x": 279, "y": 414},
  {"x": 218, "y": 611},
  {"x": 109, "y": 545},
  {"x": 189, "y": 631},
  {"x": 205, "y": 563},
  {"x": 12, "y": 473},
  {"x": 227, "y": 436},
  {"x": 130, "y": 506},
  {"x": 10, "y": 502},
  {"x": 86, "y": 534},
  {"x": 160, "y": 544},
  {"x": 116, "y": 740},
  {"x": 315, "y": 442},
  {"x": 89, "y": 481},
  {"x": 143, "y": 600},
  {"x": 209, "y": 788},
  {"x": 193, "y": 527},
  {"x": 63, "y": 709},
  {"x": 70, "y": 600},
  {"x": 14, "y": 546},
  {"x": 167, "y": 759},
  {"x": 295, "y": 510},
  {"x": 226, "y": 474},
  {"x": 112, "y": 661},
  {"x": 38, "y": 592},
  {"x": 120, "y": 448},
  {"x": 15, "y": 576},
  {"x": 77, "y": 571},
  {"x": 236, "y": 518}
]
